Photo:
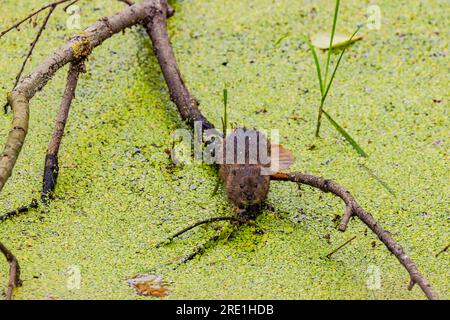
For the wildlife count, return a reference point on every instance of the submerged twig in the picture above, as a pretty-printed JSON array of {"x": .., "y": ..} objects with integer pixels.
[
  {"x": 442, "y": 251},
  {"x": 179, "y": 233},
  {"x": 14, "y": 271},
  {"x": 200, "y": 249},
  {"x": 385, "y": 237},
  {"x": 32, "y": 205},
  {"x": 340, "y": 247}
]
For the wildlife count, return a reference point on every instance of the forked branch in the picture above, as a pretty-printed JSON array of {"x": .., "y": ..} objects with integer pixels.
[{"x": 353, "y": 208}]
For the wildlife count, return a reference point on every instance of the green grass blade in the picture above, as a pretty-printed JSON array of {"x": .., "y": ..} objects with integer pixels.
[
  {"x": 225, "y": 111},
  {"x": 337, "y": 66},
  {"x": 373, "y": 175},
  {"x": 333, "y": 30},
  {"x": 277, "y": 43},
  {"x": 316, "y": 62},
  {"x": 346, "y": 135}
]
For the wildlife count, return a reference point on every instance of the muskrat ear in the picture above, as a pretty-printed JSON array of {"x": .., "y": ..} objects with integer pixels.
[{"x": 284, "y": 156}]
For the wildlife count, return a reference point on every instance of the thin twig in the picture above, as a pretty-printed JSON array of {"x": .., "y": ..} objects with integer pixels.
[
  {"x": 32, "y": 205},
  {"x": 33, "y": 44},
  {"x": 69, "y": 5},
  {"x": 179, "y": 233},
  {"x": 340, "y": 247},
  {"x": 31, "y": 15},
  {"x": 442, "y": 251},
  {"x": 385, "y": 237},
  {"x": 14, "y": 271},
  {"x": 30, "y": 52},
  {"x": 200, "y": 250}
]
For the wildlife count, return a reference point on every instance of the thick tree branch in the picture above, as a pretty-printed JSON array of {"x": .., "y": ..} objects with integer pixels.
[
  {"x": 14, "y": 271},
  {"x": 179, "y": 94},
  {"x": 385, "y": 237}
]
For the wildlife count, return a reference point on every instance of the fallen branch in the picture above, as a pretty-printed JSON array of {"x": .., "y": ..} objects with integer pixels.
[
  {"x": 14, "y": 271},
  {"x": 52, "y": 7},
  {"x": 179, "y": 94},
  {"x": 385, "y": 237}
]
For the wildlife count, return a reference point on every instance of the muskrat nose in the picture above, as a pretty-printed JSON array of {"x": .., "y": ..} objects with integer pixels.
[{"x": 249, "y": 196}]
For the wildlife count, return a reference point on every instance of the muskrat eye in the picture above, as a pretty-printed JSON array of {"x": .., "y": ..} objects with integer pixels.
[
  {"x": 255, "y": 185},
  {"x": 242, "y": 186}
]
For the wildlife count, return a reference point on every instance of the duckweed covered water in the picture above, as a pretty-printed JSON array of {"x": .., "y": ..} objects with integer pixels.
[{"x": 118, "y": 194}]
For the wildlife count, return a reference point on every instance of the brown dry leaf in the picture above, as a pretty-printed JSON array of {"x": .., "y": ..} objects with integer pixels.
[{"x": 148, "y": 285}]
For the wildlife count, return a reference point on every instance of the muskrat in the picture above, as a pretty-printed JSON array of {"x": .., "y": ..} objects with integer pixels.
[{"x": 245, "y": 170}]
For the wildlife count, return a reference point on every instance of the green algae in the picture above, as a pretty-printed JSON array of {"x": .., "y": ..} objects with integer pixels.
[{"x": 118, "y": 194}]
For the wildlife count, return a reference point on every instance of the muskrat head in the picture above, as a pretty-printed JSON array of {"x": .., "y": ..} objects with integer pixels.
[{"x": 248, "y": 188}]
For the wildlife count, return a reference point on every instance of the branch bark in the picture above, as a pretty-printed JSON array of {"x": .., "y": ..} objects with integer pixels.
[
  {"x": 51, "y": 168},
  {"x": 187, "y": 105},
  {"x": 385, "y": 237}
]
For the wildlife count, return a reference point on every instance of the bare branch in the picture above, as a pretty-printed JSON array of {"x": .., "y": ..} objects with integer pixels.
[
  {"x": 51, "y": 168},
  {"x": 70, "y": 4},
  {"x": 179, "y": 94},
  {"x": 385, "y": 237}
]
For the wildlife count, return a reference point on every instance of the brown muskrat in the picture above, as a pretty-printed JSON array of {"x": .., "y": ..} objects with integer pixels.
[{"x": 247, "y": 161}]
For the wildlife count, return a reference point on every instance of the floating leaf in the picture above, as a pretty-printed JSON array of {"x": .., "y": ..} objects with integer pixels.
[
  {"x": 322, "y": 40},
  {"x": 148, "y": 285}
]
